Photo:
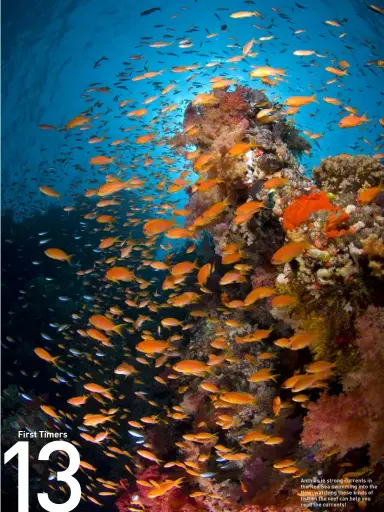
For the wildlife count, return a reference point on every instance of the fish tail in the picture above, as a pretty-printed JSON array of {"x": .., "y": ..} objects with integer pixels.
[
  {"x": 179, "y": 481},
  {"x": 69, "y": 258},
  {"x": 55, "y": 361},
  {"x": 119, "y": 328}
]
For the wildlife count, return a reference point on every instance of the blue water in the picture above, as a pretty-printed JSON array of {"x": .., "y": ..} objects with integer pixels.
[{"x": 49, "y": 49}]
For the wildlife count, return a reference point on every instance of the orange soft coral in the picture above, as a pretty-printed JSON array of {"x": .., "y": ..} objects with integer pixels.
[{"x": 302, "y": 207}]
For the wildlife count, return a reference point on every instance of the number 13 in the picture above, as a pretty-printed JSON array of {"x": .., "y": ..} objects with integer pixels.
[{"x": 21, "y": 449}]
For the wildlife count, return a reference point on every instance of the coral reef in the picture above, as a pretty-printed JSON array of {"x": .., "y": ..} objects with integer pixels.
[{"x": 281, "y": 338}]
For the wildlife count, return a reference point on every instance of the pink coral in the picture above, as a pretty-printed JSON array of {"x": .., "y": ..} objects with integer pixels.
[
  {"x": 336, "y": 421},
  {"x": 263, "y": 276},
  {"x": 175, "y": 499},
  {"x": 191, "y": 402}
]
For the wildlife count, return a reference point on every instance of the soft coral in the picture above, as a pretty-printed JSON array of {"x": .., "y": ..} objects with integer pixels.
[{"x": 302, "y": 207}]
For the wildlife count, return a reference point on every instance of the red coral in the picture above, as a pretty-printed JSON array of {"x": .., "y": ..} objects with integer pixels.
[
  {"x": 234, "y": 101},
  {"x": 302, "y": 207},
  {"x": 336, "y": 421}
]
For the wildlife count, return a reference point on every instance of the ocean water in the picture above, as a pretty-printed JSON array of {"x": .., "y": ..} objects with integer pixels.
[
  {"x": 56, "y": 55},
  {"x": 49, "y": 50}
]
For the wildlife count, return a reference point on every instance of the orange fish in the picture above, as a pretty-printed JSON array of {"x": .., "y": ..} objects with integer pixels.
[
  {"x": 143, "y": 139},
  {"x": 116, "y": 274},
  {"x": 275, "y": 183},
  {"x": 336, "y": 71},
  {"x": 282, "y": 301},
  {"x": 152, "y": 346},
  {"x": 105, "y": 324},
  {"x": 253, "y": 436},
  {"x": 367, "y": 195},
  {"x": 107, "y": 242},
  {"x": 299, "y": 101},
  {"x": 49, "y": 411},
  {"x": 191, "y": 367},
  {"x": 157, "y": 226},
  {"x": 289, "y": 252},
  {"x": 105, "y": 219},
  {"x": 45, "y": 355},
  {"x": 352, "y": 120},
  {"x": 76, "y": 121},
  {"x": 57, "y": 254},
  {"x": 125, "y": 369},
  {"x": 239, "y": 149},
  {"x": 102, "y": 160},
  {"x": 257, "y": 294},
  {"x": 204, "y": 162},
  {"x": 78, "y": 400},
  {"x": 238, "y": 398},
  {"x": 49, "y": 191}
]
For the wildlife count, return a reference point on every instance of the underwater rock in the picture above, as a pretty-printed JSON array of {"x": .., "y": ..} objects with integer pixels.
[{"x": 269, "y": 163}]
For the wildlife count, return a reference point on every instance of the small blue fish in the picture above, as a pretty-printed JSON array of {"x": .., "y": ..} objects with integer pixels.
[
  {"x": 46, "y": 240},
  {"x": 135, "y": 433},
  {"x": 26, "y": 397},
  {"x": 45, "y": 336},
  {"x": 63, "y": 299}
]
